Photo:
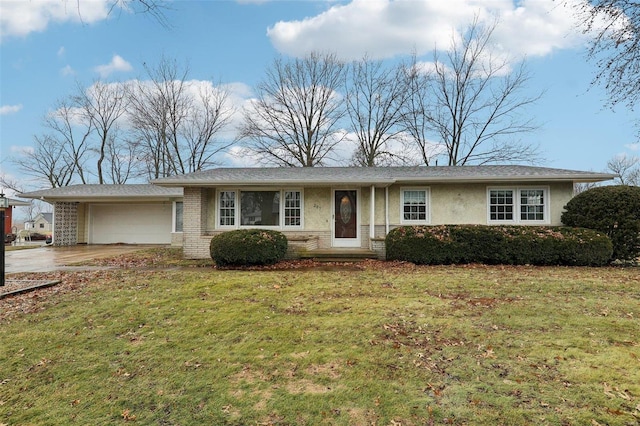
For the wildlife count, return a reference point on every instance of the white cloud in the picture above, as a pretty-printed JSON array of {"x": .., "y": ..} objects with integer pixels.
[
  {"x": 10, "y": 109},
  {"x": 61, "y": 51},
  {"x": 67, "y": 71},
  {"x": 633, "y": 146},
  {"x": 117, "y": 64},
  {"x": 22, "y": 17},
  {"x": 385, "y": 28}
]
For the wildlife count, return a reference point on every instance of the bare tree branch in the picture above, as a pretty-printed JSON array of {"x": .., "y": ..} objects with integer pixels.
[
  {"x": 615, "y": 27},
  {"x": 293, "y": 121},
  {"x": 375, "y": 98},
  {"x": 472, "y": 103}
]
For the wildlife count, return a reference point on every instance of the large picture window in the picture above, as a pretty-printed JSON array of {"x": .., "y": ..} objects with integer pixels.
[
  {"x": 260, "y": 208},
  {"x": 415, "y": 205},
  {"x": 518, "y": 205}
]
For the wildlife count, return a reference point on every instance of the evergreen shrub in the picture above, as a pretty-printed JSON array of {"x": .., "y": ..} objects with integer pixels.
[
  {"x": 612, "y": 210},
  {"x": 513, "y": 245},
  {"x": 245, "y": 247}
]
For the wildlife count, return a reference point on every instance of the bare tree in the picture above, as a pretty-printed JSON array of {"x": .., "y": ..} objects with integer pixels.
[
  {"x": 207, "y": 119},
  {"x": 472, "y": 103},
  {"x": 626, "y": 168},
  {"x": 48, "y": 161},
  {"x": 415, "y": 115},
  {"x": 293, "y": 121},
  {"x": 375, "y": 97},
  {"x": 103, "y": 105},
  {"x": 615, "y": 26},
  {"x": 159, "y": 107},
  {"x": 120, "y": 163},
  {"x": 177, "y": 131},
  {"x": 69, "y": 134}
]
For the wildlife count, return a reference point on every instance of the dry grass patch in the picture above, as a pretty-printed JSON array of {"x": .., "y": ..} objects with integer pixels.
[{"x": 377, "y": 344}]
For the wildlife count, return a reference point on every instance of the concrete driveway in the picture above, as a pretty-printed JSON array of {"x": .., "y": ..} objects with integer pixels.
[{"x": 49, "y": 258}]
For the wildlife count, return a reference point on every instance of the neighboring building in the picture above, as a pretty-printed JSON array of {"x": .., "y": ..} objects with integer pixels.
[
  {"x": 8, "y": 214},
  {"x": 316, "y": 208},
  {"x": 42, "y": 224}
]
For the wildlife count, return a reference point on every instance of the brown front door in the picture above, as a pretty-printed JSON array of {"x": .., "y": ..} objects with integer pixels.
[{"x": 345, "y": 231}]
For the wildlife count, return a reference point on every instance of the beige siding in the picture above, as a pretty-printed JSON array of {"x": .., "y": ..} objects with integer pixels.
[
  {"x": 83, "y": 223},
  {"x": 317, "y": 209},
  {"x": 449, "y": 204},
  {"x": 458, "y": 204}
]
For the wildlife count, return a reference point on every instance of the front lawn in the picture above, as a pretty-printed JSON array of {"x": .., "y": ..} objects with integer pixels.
[{"x": 384, "y": 344}]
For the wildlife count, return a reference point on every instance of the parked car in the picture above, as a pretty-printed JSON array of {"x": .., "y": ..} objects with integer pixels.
[{"x": 35, "y": 236}]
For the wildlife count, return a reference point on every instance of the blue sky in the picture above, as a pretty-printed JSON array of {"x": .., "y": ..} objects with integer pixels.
[{"x": 47, "y": 46}]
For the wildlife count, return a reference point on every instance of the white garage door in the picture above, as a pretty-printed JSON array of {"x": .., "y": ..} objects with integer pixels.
[{"x": 130, "y": 223}]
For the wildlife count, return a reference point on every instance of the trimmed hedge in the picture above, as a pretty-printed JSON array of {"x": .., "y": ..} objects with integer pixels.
[
  {"x": 612, "y": 210},
  {"x": 244, "y": 247},
  {"x": 512, "y": 245}
]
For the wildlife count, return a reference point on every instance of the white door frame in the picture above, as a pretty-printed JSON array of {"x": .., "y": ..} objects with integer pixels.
[{"x": 345, "y": 242}]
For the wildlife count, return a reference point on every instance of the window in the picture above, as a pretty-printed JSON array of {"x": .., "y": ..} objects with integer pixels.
[
  {"x": 532, "y": 204},
  {"x": 258, "y": 208},
  {"x": 41, "y": 225},
  {"x": 227, "y": 208},
  {"x": 415, "y": 205},
  {"x": 501, "y": 205},
  {"x": 177, "y": 216},
  {"x": 518, "y": 205},
  {"x": 292, "y": 208}
]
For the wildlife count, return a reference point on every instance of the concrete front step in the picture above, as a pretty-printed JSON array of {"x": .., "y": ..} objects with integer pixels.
[{"x": 338, "y": 255}]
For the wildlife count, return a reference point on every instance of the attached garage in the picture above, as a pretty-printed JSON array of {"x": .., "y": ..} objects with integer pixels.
[
  {"x": 130, "y": 223},
  {"x": 114, "y": 214}
]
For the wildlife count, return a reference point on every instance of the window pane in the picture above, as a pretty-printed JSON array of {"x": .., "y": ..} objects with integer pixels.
[
  {"x": 178, "y": 225},
  {"x": 260, "y": 208},
  {"x": 501, "y": 204},
  {"x": 414, "y": 207},
  {"x": 227, "y": 208},
  {"x": 531, "y": 204},
  {"x": 292, "y": 208}
]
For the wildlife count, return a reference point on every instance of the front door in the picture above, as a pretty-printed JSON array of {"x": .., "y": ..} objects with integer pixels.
[{"x": 346, "y": 232}]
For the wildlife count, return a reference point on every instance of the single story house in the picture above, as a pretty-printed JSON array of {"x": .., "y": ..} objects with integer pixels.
[
  {"x": 114, "y": 214},
  {"x": 316, "y": 208},
  {"x": 342, "y": 207}
]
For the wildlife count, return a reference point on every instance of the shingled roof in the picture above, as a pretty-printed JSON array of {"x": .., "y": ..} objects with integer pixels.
[
  {"x": 376, "y": 175},
  {"x": 102, "y": 192}
]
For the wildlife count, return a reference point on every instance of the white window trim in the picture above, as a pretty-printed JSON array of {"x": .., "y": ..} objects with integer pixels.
[
  {"x": 427, "y": 191},
  {"x": 236, "y": 217},
  {"x": 235, "y": 209},
  {"x": 516, "y": 205}
]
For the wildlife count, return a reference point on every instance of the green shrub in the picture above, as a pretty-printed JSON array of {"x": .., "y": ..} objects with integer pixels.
[
  {"x": 516, "y": 245},
  {"x": 245, "y": 247},
  {"x": 613, "y": 210}
]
